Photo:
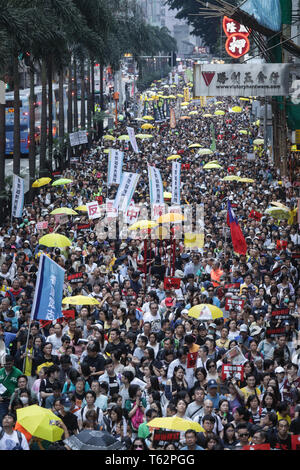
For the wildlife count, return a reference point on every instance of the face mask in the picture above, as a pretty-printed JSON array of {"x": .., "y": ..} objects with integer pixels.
[
  {"x": 66, "y": 408},
  {"x": 24, "y": 400}
]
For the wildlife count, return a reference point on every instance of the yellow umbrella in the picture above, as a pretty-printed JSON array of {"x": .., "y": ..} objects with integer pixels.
[
  {"x": 219, "y": 113},
  {"x": 143, "y": 224},
  {"x": 147, "y": 126},
  {"x": 245, "y": 99},
  {"x": 207, "y": 115},
  {"x": 173, "y": 157},
  {"x": 55, "y": 240},
  {"x": 180, "y": 95},
  {"x": 41, "y": 182},
  {"x": 194, "y": 146},
  {"x": 219, "y": 102},
  {"x": 172, "y": 97},
  {"x": 278, "y": 213},
  {"x": 40, "y": 422},
  {"x": 205, "y": 312},
  {"x": 293, "y": 216},
  {"x": 61, "y": 182},
  {"x": 185, "y": 103},
  {"x": 63, "y": 210},
  {"x": 106, "y": 151},
  {"x": 123, "y": 137},
  {"x": 279, "y": 204},
  {"x": 230, "y": 178},
  {"x": 174, "y": 423},
  {"x": 246, "y": 180},
  {"x": 81, "y": 208},
  {"x": 193, "y": 113},
  {"x": 211, "y": 166},
  {"x": 205, "y": 152},
  {"x": 258, "y": 142},
  {"x": 236, "y": 109},
  {"x": 170, "y": 217},
  {"x": 144, "y": 136},
  {"x": 148, "y": 118},
  {"x": 109, "y": 137},
  {"x": 80, "y": 300},
  {"x": 243, "y": 131},
  {"x": 167, "y": 195}
]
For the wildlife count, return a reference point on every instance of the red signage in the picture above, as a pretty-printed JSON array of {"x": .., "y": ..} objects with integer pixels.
[
  {"x": 230, "y": 370},
  {"x": 231, "y": 26},
  {"x": 170, "y": 282},
  {"x": 237, "y": 45},
  {"x": 192, "y": 360}
]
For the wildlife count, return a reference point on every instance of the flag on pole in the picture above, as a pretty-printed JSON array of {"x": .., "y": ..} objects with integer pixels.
[
  {"x": 237, "y": 237},
  {"x": 126, "y": 190},
  {"x": 17, "y": 197},
  {"x": 155, "y": 185},
  {"x": 48, "y": 294},
  {"x": 176, "y": 169},
  {"x": 115, "y": 164},
  {"x": 131, "y": 133}
]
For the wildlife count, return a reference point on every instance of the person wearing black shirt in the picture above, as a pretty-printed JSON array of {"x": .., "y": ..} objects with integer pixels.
[
  {"x": 282, "y": 438},
  {"x": 47, "y": 385},
  {"x": 158, "y": 269},
  {"x": 62, "y": 409},
  {"x": 94, "y": 360},
  {"x": 116, "y": 343}
]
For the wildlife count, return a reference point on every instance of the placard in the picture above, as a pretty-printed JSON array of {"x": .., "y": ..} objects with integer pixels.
[
  {"x": 232, "y": 371},
  {"x": 168, "y": 436},
  {"x": 192, "y": 360},
  {"x": 281, "y": 314},
  {"x": 275, "y": 332},
  {"x": 42, "y": 225},
  {"x": 75, "y": 278},
  {"x": 170, "y": 282},
  {"x": 235, "y": 356},
  {"x": 234, "y": 303},
  {"x": 233, "y": 287}
]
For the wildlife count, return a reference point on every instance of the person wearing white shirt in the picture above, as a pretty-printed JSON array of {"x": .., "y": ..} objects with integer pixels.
[
  {"x": 10, "y": 439},
  {"x": 55, "y": 339}
]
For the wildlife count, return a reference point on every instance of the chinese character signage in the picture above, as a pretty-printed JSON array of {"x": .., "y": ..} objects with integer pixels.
[
  {"x": 237, "y": 43},
  {"x": 155, "y": 185},
  {"x": 230, "y": 371},
  {"x": 126, "y": 190},
  {"x": 176, "y": 169},
  {"x": 115, "y": 164},
  {"x": 132, "y": 138},
  {"x": 241, "y": 80},
  {"x": 93, "y": 210},
  {"x": 17, "y": 197}
]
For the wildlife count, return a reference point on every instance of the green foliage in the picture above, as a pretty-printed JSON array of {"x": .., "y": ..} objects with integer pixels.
[{"x": 207, "y": 28}]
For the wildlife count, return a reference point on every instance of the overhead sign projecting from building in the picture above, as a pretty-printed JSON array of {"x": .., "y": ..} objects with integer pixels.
[
  {"x": 241, "y": 80},
  {"x": 237, "y": 43}
]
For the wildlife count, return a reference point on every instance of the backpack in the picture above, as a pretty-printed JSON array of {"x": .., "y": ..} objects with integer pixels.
[
  {"x": 82, "y": 411},
  {"x": 20, "y": 437}
]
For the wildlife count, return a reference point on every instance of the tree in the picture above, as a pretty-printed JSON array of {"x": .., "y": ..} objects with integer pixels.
[{"x": 207, "y": 28}]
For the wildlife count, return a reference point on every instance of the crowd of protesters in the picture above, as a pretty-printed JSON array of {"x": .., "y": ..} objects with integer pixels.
[{"x": 118, "y": 365}]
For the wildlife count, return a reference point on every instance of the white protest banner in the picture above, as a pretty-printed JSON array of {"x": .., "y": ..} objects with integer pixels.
[
  {"x": 157, "y": 210},
  {"x": 82, "y": 137},
  {"x": 132, "y": 213},
  {"x": 115, "y": 164},
  {"x": 94, "y": 211},
  {"x": 132, "y": 138},
  {"x": 176, "y": 169},
  {"x": 74, "y": 139},
  {"x": 126, "y": 190},
  {"x": 42, "y": 225},
  {"x": 155, "y": 185},
  {"x": 111, "y": 212},
  {"x": 17, "y": 197},
  {"x": 241, "y": 80}
]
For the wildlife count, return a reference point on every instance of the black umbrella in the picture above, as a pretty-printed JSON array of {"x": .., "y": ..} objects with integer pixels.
[{"x": 94, "y": 440}]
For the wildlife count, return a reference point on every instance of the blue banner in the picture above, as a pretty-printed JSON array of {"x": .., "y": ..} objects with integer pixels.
[{"x": 47, "y": 302}]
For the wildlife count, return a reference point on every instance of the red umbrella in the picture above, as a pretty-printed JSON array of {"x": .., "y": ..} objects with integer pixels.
[{"x": 180, "y": 152}]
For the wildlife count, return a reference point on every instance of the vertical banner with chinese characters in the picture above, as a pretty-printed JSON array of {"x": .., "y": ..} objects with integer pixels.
[
  {"x": 17, "y": 197},
  {"x": 172, "y": 118},
  {"x": 176, "y": 169},
  {"x": 126, "y": 190},
  {"x": 132, "y": 138},
  {"x": 155, "y": 185},
  {"x": 48, "y": 290},
  {"x": 115, "y": 163}
]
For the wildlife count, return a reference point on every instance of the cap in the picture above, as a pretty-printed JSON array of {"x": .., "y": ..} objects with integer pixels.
[
  {"x": 169, "y": 302},
  {"x": 184, "y": 311},
  {"x": 212, "y": 384},
  {"x": 202, "y": 326},
  {"x": 279, "y": 370},
  {"x": 123, "y": 246},
  {"x": 255, "y": 330},
  {"x": 98, "y": 326},
  {"x": 244, "y": 328},
  {"x": 179, "y": 273},
  {"x": 284, "y": 266},
  {"x": 78, "y": 249},
  {"x": 212, "y": 325}
]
